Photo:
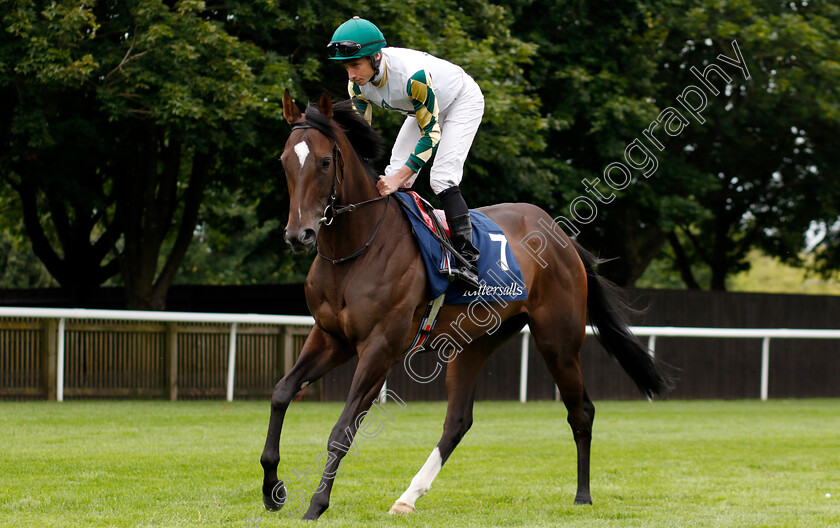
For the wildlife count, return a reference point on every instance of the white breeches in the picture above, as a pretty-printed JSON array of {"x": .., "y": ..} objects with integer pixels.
[{"x": 458, "y": 125}]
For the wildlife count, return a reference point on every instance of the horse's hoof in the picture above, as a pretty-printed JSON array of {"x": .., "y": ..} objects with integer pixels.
[
  {"x": 276, "y": 499},
  {"x": 583, "y": 500},
  {"x": 401, "y": 507}
]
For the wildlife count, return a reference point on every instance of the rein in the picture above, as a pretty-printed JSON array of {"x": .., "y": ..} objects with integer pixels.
[{"x": 332, "y": 210}]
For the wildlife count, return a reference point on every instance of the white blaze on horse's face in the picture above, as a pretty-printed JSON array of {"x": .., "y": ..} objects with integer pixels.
[
  {"x": 302, "y": 150},
  {"x": 302, "y": 228}
]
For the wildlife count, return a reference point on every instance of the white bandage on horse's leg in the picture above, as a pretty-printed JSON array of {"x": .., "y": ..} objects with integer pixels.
[{"x": 423, "y": 479}]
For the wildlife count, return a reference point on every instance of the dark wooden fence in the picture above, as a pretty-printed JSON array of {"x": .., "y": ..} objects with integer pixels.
[
  {"x": 122, "y": 359},
  {"x": 118, "y": 359}
]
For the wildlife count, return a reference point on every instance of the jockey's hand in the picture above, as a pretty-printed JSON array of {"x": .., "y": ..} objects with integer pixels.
[{"x": 389, "y": 184}]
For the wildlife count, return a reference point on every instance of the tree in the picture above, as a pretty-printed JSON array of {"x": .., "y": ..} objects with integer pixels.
[
  {"x": 754, "y": 173},
  {"x": 768, "y": 147},
  {"x": 126, "y": 116},
  {"x": 595, "y": 73},
  {"x": 132, "y": 130},
  {"x": 120, "y": 114},
  {"x": 19, "y": 267}
]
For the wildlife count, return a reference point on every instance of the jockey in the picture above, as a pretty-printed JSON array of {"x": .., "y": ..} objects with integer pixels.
[{"x": 443, "y": 107}]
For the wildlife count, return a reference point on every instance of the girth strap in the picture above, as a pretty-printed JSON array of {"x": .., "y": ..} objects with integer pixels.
[{"x": 427, "y": 324}]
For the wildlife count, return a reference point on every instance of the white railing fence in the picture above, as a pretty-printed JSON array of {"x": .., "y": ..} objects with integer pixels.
[
  {"x": 652, "y": 332},
  {"x": 63, "y": 315}
]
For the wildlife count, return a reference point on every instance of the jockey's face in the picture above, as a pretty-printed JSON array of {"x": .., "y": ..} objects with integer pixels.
[{"x": 359, "y": 70}]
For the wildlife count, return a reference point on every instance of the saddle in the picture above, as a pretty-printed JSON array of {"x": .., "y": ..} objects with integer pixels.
[
  {"x": 500, "y": 277},
  {"x": 498, "y": 271}
]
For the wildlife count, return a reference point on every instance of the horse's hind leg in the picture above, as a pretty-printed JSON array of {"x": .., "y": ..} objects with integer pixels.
[
  {"x": 320, "y": 354},
  {"x": 461, "y": 376},
  {"x": 559, "y": 344}
]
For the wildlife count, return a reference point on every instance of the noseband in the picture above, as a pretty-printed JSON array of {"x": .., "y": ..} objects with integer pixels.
[{"x": 332, "y": 210}]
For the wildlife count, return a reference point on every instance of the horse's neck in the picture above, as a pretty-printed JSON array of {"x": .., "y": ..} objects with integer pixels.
[
  {"x": 356, "y": 186},
  {"x": 379, "y": 234}
]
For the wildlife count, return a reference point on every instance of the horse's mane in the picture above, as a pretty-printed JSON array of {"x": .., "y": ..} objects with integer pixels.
[{"x": 367, "y": 143}]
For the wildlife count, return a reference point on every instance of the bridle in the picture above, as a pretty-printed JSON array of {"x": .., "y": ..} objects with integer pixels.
[{"x": 332, "y": 210}]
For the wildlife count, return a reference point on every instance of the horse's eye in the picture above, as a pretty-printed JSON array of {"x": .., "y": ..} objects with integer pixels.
[{"x": 325, "y": 162}]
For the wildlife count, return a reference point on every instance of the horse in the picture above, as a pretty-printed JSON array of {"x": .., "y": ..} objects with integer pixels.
[{"x": 367, "y": 291}]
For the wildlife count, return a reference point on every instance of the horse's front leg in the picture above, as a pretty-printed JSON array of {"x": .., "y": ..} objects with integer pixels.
[
  {"x": 320, "y": 354},
  {"x": 368, "y": 379}
]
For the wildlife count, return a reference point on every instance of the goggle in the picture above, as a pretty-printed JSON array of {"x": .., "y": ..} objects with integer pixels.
[{"x": 345, "y": 48}]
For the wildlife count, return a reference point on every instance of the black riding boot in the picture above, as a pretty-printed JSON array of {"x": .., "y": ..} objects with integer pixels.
[{"x": 460, "y": 228}]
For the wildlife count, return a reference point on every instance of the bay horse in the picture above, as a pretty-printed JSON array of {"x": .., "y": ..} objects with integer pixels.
[{"x": 368, "y": 293}]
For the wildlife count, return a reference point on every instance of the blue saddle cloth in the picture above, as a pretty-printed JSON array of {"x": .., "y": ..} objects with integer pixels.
[{"x": 498, "y": 271}]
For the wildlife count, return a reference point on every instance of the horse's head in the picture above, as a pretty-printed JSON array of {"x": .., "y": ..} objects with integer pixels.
[{"x": 312, "y": 168}]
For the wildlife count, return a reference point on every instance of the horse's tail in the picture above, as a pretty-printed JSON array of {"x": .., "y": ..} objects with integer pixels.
[{"x": 608, "y": 312}]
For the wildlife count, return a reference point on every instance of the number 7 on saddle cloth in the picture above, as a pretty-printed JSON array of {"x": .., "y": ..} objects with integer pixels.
[{"x": 498, "y": 271}]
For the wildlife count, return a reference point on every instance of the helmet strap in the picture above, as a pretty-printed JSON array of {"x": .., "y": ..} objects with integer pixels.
[{"x": 375, "y": 63}]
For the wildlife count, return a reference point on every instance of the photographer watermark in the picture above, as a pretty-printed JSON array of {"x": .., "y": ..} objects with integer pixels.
[
  {"x": 481, "y": 312},
  {"x": 638, "y": 155}
]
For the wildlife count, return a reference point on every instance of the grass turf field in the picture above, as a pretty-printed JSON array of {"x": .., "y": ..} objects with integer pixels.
[{"x": 661, "y": 464}]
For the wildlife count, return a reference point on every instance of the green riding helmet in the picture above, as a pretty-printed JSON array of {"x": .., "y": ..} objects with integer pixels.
[{"x": 354, "y": 39}]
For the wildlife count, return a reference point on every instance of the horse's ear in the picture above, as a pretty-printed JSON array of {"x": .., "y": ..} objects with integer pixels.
[
  {"x": 290, "y": 110},
  {"x": 325, "y": 105}
]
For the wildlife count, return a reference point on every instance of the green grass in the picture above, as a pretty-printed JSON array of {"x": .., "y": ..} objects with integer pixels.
[{"x": 669, "y": 463}]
